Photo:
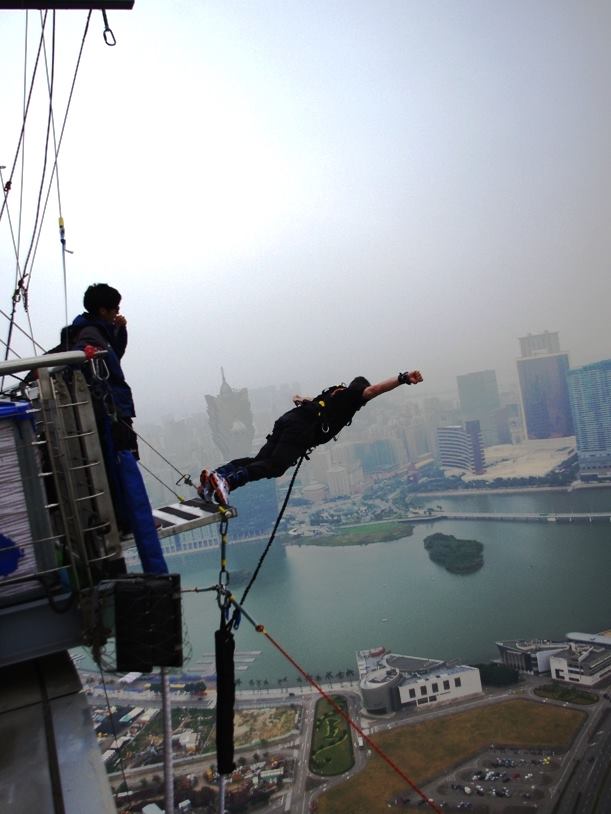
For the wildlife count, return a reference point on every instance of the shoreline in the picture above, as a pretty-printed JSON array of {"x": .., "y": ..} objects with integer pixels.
[{"x": 501, "y": 490}]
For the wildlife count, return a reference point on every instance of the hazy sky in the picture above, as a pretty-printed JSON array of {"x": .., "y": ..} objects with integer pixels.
[{"x": 312, "y": 190}]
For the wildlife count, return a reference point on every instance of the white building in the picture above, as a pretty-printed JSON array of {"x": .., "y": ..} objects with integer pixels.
[
  {"x": 389, "y": 681},
  {"x": 566, "y": 660},
  {"x": 529, "y": 655},
  {"x": 581, "y": 664}
]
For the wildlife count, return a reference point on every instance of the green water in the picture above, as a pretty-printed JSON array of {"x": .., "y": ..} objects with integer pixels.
[{"x": 323, "y": 604}]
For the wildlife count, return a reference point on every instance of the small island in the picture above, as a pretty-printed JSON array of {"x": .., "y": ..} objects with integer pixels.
[{"x": 456, "y": 556}]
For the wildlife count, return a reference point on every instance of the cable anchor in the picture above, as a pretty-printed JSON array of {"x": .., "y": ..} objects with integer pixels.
[
  {"x": 186, "y": 479},
  {"x": 109, "y": 37}
]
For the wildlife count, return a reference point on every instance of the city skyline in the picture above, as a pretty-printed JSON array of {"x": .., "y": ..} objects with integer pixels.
[{"x": 316, "y": 192}]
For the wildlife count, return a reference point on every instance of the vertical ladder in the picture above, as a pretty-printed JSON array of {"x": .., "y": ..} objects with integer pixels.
[{"x": 80, "y": 504}]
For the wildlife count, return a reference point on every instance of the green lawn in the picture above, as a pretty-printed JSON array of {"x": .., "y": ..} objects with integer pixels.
[
  {"x": 428, "y": 749},
  {"x": 361, "y": 535},
  {"x": 572, "y": 695}
]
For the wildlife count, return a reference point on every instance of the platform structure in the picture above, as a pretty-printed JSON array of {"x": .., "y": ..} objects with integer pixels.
[
  {"x": 188, "y": 514},
  {"x": 62, "y": 569},
  {"x": 52, "y": 759}
]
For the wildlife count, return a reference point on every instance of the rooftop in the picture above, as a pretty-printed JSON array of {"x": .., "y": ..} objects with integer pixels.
[
  {"x": 601, "y": 639},
  {"x": 529, "y": 459},
  {"x": 531, "y": 645}
]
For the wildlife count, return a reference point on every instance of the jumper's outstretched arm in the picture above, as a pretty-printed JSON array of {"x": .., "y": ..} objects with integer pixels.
[{"x": 390, "y": 384}]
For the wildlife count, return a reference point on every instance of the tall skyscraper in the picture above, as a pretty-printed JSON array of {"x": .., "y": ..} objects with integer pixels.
[
  {"x": 543, "y": 386},
  {"x": 540, "y": 344},
  {"x": 231, "y": 421},
  {"x": 233, "y": 431},
  {"x": 480, "y": 401},
  {"x": 590, "y": 398}
]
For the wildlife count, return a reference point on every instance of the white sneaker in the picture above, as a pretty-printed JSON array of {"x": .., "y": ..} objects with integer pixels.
[
  {"x": 220, "y": 488},
  {"x": 204, "y": 490}
]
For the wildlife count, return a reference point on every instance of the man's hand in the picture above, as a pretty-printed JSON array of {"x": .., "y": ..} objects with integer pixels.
[
  {"x": 120, "y": 321},
  {"x": 415, "y": 377}
]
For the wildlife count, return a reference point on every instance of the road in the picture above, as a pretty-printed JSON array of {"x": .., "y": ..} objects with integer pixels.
[{"x": 583, "y": 784}]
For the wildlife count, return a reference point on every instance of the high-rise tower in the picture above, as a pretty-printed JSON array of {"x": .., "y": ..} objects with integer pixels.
[
  {"x": 479, "y": 400},
  {"x": 542, "y": 371},
  {"x": 233, "y": 431},
  {"x": 590, "y": 398}
]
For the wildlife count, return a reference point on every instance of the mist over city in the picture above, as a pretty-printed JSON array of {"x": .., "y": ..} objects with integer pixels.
[
  {"x": 406, "y": 202},
  {"x": 310, "y": 192}
]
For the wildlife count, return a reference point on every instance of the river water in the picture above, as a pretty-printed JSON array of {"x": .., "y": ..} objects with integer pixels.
[{"x": 322, "y": 604}]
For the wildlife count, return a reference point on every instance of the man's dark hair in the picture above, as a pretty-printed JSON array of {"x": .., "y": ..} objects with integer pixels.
[
  {"x": 359, "y": 383},
  {"x": 100, "y": 295}
]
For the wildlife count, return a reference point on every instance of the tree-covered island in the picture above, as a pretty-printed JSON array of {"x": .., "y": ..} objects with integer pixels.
[{"x": 456, "y": 556}]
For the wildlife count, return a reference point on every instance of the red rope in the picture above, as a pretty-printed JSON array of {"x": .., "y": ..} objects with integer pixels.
[{"x": 349, "y": 721}]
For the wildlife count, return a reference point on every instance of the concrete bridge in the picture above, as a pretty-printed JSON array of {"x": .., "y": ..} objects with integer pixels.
[{"x": 522, "y": 517}]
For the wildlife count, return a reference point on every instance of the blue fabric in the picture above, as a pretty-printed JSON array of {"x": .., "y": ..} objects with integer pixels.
[
  {"x": 140, "y": 514},
  {"x": 10, "y": 555}
]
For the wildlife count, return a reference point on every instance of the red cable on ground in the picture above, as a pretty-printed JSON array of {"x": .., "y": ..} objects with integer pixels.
[{"x": 349, "y": 721}]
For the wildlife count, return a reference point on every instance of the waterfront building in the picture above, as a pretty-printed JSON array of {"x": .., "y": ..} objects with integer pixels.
[
  {"x": 391, "y": 682},
  {"x": 461, "y": 447},
  {"x": 586, "y": 664},
  {"x": 479, "y": 399},
  {"x": 542, "y": 373},
  {"x": 529, "y": 655},
  {"x": 590, "y": 400}
]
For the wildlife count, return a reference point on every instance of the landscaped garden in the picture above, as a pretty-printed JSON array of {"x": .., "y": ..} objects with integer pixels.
[{"x": 331, "y": 752}]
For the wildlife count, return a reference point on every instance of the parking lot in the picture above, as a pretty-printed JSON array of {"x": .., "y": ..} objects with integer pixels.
[{"x": 500, "y": 780}]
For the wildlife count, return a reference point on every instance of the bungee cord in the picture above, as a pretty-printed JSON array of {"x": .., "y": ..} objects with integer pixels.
[
  {"x": 225, "y": 695},
  {"x": 273, "y": 534}
]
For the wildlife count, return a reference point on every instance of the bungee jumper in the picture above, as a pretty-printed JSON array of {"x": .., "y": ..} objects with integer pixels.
[{"x": 312, "y": 422}]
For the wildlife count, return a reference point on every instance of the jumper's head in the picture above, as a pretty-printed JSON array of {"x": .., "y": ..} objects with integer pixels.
[{"x": 359, "y": 383}]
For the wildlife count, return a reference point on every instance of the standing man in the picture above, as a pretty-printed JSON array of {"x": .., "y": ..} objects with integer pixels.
[
  {"x": 310, "y": 423},
  {"x": 102, "y": 326},
  {"x": 105, "y": 328}
]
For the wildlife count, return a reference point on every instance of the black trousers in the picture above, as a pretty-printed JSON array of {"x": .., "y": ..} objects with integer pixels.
[{"x": 289, "y": 440}]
